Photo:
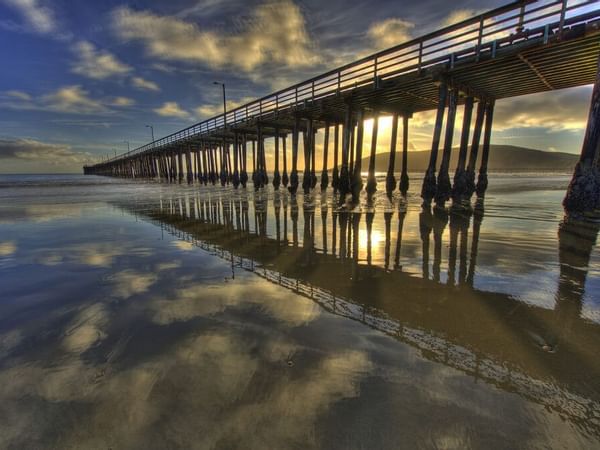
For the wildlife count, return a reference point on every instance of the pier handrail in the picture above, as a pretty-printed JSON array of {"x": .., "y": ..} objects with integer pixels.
[{"x": 483, "y": 33}]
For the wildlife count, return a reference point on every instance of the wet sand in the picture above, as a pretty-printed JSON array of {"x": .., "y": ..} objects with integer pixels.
[{"x": 148, "y": 315}]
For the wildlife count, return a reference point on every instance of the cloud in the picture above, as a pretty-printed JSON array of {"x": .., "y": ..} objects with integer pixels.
[
  {"x": 7, "y": 248},
  {"x": 39, "y": 18},
  {"x": 71, "y": 99},
  {"x": 172, "y": 109},
  {"x": 32, "y": 150},
  {"x": 556, "y": 111},
  {"x": 19, "y": 95},
  {"x": 458, "y": 16},
  {"x": 206, "y": 111},
  {"x": 144, "y": 85},
  {"x": 86, "y": 329},
  {"x": 275, "y": 33},
  {"x": 390, "y": 32},
  {"x": 97, "y": 64},
  {"x": 128, "y": 283},
  {"x": 123, "y": 101}
]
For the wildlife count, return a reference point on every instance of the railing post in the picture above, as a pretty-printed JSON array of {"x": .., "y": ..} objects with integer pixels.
[
  {"x": 479, "y": 39},
  {"x": 339, "y": 81},
  {"x": 563, "y": 11},
  {"x": 420, "y": 62}
]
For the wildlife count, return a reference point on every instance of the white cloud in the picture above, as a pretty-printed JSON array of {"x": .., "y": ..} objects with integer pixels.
[
  {"x": 458, "y": 16},
  {"x": 145, "y": 85},
  {"x": 97, "y": 64},
  {"x": 38, "y": 17},
  {"x": 123, "y": 101},
  {"x": 172, "y": 109},
  {"x": 67, "y": 99},
  {"x": 275, "y": 32},
  {"x": 31, "y": 150},
  {"x": 128, "y": 283},
  {"x": 7, "y": 248},
  {"x": 206, "y": 111},
  {"x": 19, "y": 95},
  {"x": 390, "y": 32},
  {"x": 557, "y": 110},
  {"x": 72, "y": 99}
]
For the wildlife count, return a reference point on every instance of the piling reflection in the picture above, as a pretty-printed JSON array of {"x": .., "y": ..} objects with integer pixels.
[{"x": 349, "y": 267}]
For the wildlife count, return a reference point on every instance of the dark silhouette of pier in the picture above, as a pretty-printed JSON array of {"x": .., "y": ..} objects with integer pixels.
[
  {"x": 522, "y": 48},
  {"x": 546, "y": 355}
]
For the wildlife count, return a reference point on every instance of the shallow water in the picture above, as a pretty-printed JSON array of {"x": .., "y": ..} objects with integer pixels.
[{"x": 148, "y": 315}]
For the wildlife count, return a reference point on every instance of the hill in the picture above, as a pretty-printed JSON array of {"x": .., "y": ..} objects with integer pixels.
[{"x": 502, "y": 158}]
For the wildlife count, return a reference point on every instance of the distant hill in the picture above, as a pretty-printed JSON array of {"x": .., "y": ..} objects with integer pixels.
[{"x": 502, "y": 158}]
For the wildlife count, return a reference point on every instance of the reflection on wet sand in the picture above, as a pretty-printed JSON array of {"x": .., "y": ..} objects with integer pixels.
[{"x": 545, "y": 355}]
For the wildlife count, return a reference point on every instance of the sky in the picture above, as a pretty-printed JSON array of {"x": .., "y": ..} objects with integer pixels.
[{"x": 79, "y": 79}]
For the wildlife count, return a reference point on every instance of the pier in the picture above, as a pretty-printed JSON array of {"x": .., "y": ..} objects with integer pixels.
[{"x": 522, "y": 48}]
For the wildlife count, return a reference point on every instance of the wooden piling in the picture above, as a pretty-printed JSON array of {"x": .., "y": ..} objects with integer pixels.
[
  {"x": 444, "y": 188},
  {"x": 390, "y": 179},
  {"x": 470, "y": 171},
  {"x": 583, "y": 193},
  {"x": 460, "y": 176},
  {"x": 429, "y": 181},
  {"x": 236, "y": 174},
  {"x": 324, "y": 175},
  {"x": 357, "y": 183},
  {"x": 294, "y": 173},
  {"x": 284, "y": 176},
  {"x": 482, "y": 180},
  {"x": 335, "y": 176},
  {"x": 404, "y": 181},
  {"x": 371, "y": 180},
  {"x": 276, "y": 174}
]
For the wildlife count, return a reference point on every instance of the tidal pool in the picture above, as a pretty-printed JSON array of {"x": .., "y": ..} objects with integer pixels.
[{"x": 149, "y": 315}]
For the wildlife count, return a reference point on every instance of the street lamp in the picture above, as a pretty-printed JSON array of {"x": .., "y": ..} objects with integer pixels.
[
  {"x": 151, "y": 130},
  {"x": 224, "y": 103},
  {"x": 128, "y": 148}
]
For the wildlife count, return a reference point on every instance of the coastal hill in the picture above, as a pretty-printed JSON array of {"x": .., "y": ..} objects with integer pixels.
[{"x": 502, "y": 158}]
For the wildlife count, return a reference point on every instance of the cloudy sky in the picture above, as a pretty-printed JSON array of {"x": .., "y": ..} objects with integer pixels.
[{"x": 80, "y": 78}]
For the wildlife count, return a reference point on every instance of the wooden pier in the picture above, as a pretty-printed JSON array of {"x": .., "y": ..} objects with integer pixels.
[{"x": 522, "y": 48}]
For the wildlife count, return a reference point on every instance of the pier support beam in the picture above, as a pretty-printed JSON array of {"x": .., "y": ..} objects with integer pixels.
[
  {"x": 236, "y": 173},
  {"x": 470, "y": 171},
  {"x": 442, "y": 193},
  {"x": 404, "y": 183},
  {"x": 390, "y": 179},
  {"x": 583, "y": 194},
  {"x": 335, "y": 175},
  {"x": 244, "y": 173},
  {"x": 429, "y": 182},
  {"x": 284, "y": 177},
  {"x": 357, "y": 183},
  {"x": 371, "y": 180},
  {"x": 294, "y": 173},
  {"x": 276, "y": 174},
  {"x": 482, "y": 180},
  {"x": 324, "y": 175},
  {"x": 344, "y": 182},
  {"x": 308, "y": 136},
  {"x": 460, "y": 176}
]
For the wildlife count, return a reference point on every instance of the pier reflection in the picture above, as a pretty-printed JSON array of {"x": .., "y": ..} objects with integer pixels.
[{"x": 416, "y": 282}]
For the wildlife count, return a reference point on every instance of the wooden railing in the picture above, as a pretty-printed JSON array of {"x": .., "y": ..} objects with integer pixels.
[{"x": 484, "y": 34}]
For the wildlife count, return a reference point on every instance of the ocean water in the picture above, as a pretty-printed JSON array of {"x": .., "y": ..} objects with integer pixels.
[{"x": 148, "y": 315}]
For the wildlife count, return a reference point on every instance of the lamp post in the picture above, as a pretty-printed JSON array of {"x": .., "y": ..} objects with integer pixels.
[
  {"x": 151, "y": 130},
  {"x": 224, "y": 103},
  {"x": 128, "y": 148}
]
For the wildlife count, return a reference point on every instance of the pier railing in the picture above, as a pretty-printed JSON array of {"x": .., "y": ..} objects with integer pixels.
[{"x": 481, "y": 36}]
